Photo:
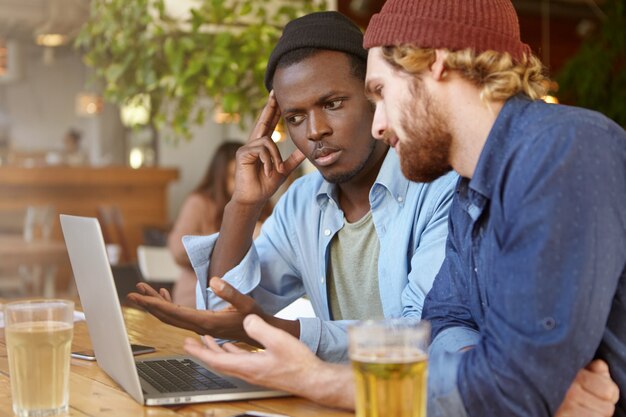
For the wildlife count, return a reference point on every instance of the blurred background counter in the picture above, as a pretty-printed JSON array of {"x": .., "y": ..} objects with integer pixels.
[{"x": 138, "y": 196}]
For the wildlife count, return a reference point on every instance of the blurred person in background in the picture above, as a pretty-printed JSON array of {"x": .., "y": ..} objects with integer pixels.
[
  {"x": 73, "y": 155},
  {"x": 201, "y": 214}
]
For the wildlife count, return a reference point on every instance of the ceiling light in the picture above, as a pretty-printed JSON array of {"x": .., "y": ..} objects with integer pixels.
[
  {"x": 51, "y": 39},
  {"x": 88, "y": 104}
]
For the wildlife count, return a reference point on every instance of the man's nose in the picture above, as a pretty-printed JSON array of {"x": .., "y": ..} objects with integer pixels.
[
  {"x": 317, "y": 126},
  {"x": 379, "y": 123}
]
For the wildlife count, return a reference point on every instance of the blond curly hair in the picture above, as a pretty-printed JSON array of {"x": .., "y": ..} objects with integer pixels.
[{"x": 496, "y": 74}]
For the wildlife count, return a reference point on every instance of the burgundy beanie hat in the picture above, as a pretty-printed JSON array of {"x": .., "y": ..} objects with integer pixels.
[{"x": 453, "y": 24}]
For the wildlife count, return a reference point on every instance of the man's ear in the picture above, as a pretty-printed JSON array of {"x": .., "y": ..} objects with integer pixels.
[{"x": 438, "y": 69}]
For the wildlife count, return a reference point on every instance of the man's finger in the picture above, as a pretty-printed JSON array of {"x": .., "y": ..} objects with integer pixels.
[
  {"x": 243, "y": 303},
  {"x": 211, "y": 344},
  {"x": 267, "y": 151},
  {"x": 146, "y": 289},
  {"x": 170, "y": 313},
  {"x": 194, "y": 349},
  {"x": 269, "y": 336},
  {"x": 598, "y": 385},
  {"x": 165, "y": 294},
  {"x": 277, "y": 159},
  {"x": 222, "y": 361},
  {"x": 139, "y": 299},
  {"x": 589, "y": 404},
  {"x": 599, "y": 366},
  {"x": 291, "y": 163},
  {"x": 268, "y": 119},
  {"x": 276, "y": 116},
  {"x": 231, "y": 348}
]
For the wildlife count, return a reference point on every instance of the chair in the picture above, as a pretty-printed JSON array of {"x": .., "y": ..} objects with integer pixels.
[
  {"x": 157, "y": 264},
  {"x": 112, "y": 224},
  {"x": 155, "y": 235},
  {"x": 126, "y": 277}
]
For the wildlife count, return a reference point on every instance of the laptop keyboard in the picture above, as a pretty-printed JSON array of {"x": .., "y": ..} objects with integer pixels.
[{"x": 183, "y": 375}]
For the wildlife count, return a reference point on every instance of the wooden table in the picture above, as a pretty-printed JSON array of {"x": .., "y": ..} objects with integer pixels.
[{"x": 93, "y": 393}]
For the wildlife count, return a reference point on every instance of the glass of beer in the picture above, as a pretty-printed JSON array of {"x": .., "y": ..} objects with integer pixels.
[
  {"x": 390, "y": 363},
  {"x": 39, "y": 336}
]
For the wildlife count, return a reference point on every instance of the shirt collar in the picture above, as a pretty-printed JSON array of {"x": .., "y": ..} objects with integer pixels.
[
  {"x": 493, "y": 155},
  {"x": 389, "y": 176}
]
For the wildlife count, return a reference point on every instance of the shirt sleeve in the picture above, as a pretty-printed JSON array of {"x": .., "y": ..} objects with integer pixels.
[
  {"x": 266, "y": 272},
  {"x": 429, "y": 254},
  {"x": 452, "y": 327},
  {"x": 328, "y": 339},
  {"x": 555, "y": 268},
  {"x": 446, "y": 305},
  {"x": 444, "y": 398}
]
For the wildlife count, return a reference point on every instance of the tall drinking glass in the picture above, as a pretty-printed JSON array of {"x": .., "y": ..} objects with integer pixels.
[
  {"x": 39, "y": 337},
  {"x": 390, "y": 364}
]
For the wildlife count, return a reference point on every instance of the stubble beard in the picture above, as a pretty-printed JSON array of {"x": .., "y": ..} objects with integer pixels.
[
  {"x": 425, "y": 152},
  {"x": 343, "y": 177}
]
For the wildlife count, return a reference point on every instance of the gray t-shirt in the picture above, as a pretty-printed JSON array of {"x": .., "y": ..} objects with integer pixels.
[{"x": 353, "y": 277}]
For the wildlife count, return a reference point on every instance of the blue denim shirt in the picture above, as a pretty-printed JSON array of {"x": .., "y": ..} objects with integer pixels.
[
  {"x": 534, "y": 273},
  {"x": 290, "y": 257}
]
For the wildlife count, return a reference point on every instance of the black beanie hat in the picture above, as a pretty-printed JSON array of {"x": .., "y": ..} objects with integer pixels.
[{"x": 324, "y": 30}]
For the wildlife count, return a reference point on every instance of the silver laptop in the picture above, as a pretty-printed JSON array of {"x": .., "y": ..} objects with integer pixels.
[{"x": 153, "y": 381}]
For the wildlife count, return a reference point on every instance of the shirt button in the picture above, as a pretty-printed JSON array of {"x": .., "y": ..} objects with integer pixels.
[
  {"x": 326, "y": 232},
  {"x": 549, "y": 323},
  {"x": 322, "y": 280},
  {"x": 476, "y": 270},
  {"x": 400, "y": 199}
]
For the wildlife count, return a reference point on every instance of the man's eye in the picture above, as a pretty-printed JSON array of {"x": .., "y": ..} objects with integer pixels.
[
  {"x": 294, "y": 120},
  {"x": 335, "y": 104}
]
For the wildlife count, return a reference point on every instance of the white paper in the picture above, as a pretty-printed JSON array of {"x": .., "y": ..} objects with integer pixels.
[{"x": 299, "y": 308}]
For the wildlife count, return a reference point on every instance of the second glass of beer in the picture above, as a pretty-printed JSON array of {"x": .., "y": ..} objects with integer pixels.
[{"x": 390, "y": 363}]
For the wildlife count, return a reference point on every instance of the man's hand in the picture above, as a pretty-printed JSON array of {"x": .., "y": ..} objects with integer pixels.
[
  {"x": 592, "y": 394},
  {"x": 260, "y": 167},
  {"x": 259, "y": 171},
  {"x": 285, "y": 364},
  {"x": 223, "y": 324}
]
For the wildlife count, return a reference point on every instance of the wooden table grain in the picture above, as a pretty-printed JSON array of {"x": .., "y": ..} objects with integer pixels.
[{"x": 93, "y": 393}]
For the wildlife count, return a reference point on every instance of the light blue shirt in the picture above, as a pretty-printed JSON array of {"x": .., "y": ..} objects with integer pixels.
[{"x": 290, "y": 257}]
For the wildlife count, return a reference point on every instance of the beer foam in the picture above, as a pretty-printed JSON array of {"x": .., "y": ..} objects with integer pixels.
[{"x": 389, "y": 356}]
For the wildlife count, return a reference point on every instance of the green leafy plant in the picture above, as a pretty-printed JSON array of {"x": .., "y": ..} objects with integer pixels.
[
  {"x": 596, "y": 76},
  {"x": 220, "y": 52}
]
